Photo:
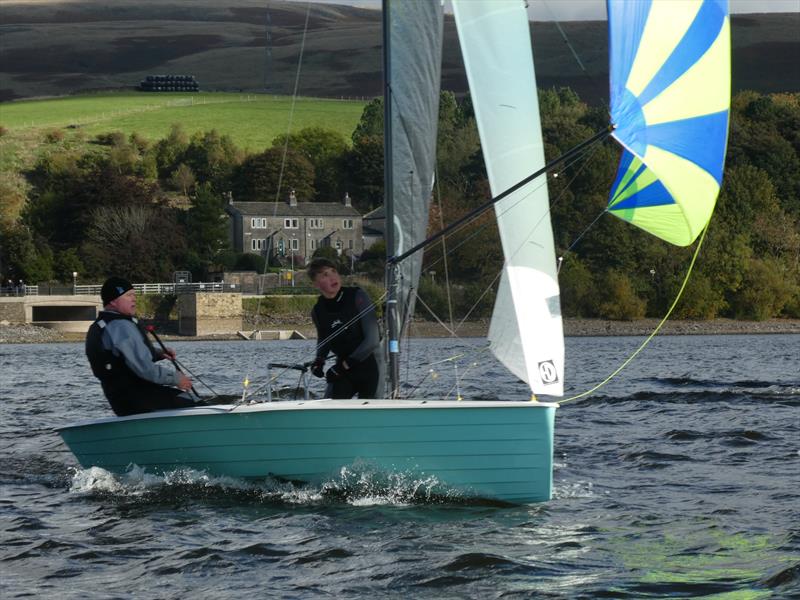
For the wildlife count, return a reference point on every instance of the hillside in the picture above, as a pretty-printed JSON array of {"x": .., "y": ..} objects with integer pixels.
[
  {"x": 251, "y": 120},
  {"x": 62, "y": 47}
]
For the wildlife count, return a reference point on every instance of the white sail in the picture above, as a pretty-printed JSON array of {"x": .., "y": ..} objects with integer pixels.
[{"x": 526, "y": 332}]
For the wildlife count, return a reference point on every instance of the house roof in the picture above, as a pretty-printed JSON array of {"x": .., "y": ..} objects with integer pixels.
[
  {"x": 373, "y": 231},
  {"x": 378, "y": 213},
  {"x": 303, "y": 209},
  {"x": 375, "y": 222}
]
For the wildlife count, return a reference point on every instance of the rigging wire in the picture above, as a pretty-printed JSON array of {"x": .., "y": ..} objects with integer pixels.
[
  {"x": 572, "y": 245},
  {"x": 453, "y": 329},
  {"x": 291, "y": 109},
  {"x": 578, "y": 239},
  {"x": 329, "y": 338},
  {"x": 580, "y": 157},
  {"x": 270, "y": 236},
  {"x": 625, "y": 363},
  {"x": 598, "y": 89},
  {"x": 655, "y": 331},
  {"x": 444, "y": 250}
]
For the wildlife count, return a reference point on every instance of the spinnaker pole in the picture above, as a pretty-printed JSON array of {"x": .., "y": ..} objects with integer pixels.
[{"x": 393, "y": 260}]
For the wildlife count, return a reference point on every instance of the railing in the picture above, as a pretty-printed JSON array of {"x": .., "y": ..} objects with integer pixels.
[
  {"x": 167, "y": 288},
  {"x": 19, "y": 290},
  {"x": 141, "y": 288},
  {"x": 157, "y": 288}
]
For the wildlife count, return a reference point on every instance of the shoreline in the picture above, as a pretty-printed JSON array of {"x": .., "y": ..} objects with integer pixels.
[{"x": 17, "y": 333}]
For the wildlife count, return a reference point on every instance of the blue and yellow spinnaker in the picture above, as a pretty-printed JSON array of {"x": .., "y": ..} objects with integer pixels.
[{"x": 670, "y": 97}]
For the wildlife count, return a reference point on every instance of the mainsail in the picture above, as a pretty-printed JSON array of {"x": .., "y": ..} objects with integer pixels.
[
  {"x": 670, "y": 94},
  {"x": 411, "y": 105},
  {"x": 526, "y": 332}
]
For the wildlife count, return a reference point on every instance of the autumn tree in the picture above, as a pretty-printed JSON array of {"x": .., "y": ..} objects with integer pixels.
[
  {"x": 270, "y": 175},
  {"x": 326, "y": 151}
]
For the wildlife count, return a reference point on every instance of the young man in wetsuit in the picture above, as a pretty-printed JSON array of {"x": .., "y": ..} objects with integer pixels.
[
  {"x": 124, "y": 360},
  {"x": 348, "y": 326}
]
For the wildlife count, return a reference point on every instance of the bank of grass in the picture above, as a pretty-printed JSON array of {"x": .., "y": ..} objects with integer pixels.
[
  {"x": 164, "y": 307},
  {"x": 271, "y": 308},
  {"x": 251, "y": 120}
]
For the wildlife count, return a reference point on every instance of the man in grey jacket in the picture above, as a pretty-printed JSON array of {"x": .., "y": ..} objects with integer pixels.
[{"x": 125, "y": 361}]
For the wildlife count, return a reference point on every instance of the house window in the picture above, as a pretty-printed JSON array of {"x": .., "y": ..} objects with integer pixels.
[
  {"x": 295, "y": 244},
  {"x": 258, "y": 244},
  {"x": 258, "y": 223},
  {"x": 316, "y": 223},
  {"x": 312, "y": 244},
  {"x": 291, "y": 223},
  {"x": 350, "y": 244},
  {"x": 347, "y": 223},
  {"x": 338, "y": 244}
]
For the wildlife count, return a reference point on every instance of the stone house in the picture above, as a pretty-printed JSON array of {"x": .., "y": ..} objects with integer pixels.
[{"x": 293, "y": 229}]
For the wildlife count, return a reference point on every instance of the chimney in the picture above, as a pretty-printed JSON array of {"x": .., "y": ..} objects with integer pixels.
[
  {"x": 292, "y": 198},
  {"x": 347, "y": 200}
]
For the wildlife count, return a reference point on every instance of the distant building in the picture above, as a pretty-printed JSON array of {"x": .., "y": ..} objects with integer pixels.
[
  {"x": 295, "y": 229},
  {"x": 374, "y": 226},
  {"x": 169, "y": 83}
]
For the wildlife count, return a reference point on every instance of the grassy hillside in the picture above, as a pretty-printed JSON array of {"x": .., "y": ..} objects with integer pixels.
[
  {"x": 54, "y": 47},
  {"x": 252, "y": 120}
]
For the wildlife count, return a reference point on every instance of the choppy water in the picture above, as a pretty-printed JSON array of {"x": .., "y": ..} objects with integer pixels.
[{"x": 680, "y": 478}]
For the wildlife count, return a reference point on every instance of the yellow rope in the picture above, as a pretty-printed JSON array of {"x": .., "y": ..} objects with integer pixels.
[{"x": 655, "y": 331}]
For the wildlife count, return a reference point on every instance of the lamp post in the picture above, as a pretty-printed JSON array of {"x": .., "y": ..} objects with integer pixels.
[
  {"x": 74, "y": 283},
  {"x": 292, "y": 243}
]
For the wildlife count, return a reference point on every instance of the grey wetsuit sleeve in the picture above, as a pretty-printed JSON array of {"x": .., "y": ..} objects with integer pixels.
[
  {"x": 369, "y": 325},
  {"x": 322, "y": 346},
  {"x": 124, "y": 339}
]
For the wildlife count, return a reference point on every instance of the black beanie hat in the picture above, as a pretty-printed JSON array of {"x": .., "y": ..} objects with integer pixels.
[{"x": 113, "y": 288}]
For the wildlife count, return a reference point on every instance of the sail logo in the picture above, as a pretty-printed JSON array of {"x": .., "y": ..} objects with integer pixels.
[
  {"x": 548, "y": 372},
  {"x": 335, "y": 324}
]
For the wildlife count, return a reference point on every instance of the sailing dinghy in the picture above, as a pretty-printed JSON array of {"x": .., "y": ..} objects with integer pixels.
[{"x": 661, "y": 53}]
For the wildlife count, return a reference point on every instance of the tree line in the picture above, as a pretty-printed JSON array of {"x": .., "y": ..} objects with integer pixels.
[{"x": 123, "y": 204}]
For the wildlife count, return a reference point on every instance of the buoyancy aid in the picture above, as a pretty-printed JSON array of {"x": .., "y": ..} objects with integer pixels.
[
  {"x": 114, "y": 375},
  {"x": 338, "y": 316}
]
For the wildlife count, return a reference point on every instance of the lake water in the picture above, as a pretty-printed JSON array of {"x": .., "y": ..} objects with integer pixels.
[{"x": 679, "y": 478}]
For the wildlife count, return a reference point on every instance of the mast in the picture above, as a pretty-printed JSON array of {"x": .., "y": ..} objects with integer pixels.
[{"x": 392, "y": 320}]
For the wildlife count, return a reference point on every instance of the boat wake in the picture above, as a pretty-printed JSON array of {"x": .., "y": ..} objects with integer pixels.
[
  {"x": 359, "y": 484},
  {"x": 787, "y": 395}
]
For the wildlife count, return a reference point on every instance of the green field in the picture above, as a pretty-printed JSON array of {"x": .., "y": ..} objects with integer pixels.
[{"x": 251, "y": 120}]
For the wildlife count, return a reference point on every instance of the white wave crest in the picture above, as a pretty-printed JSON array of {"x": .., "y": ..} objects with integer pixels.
[{"x": 359, "y": 484}]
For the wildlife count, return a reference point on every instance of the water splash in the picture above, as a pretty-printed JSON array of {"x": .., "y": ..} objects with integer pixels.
[
  {"x": 359, "y": 484},
  {"x": 363, "y": 484},
  {"x": 577, "y": 489}
]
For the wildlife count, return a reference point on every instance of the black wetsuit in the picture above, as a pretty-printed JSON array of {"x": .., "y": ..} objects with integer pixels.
[
  {"x": 347, "y": 326},
  {"x": 124, "y": 360}
]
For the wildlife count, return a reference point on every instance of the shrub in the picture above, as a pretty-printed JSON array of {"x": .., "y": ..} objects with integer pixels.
[
  {"x": 792, "y": 308},
  {"x": 432, "y": 299},
  {"x": 111, "y": 138},
  {"x": 766, "y": 290},
  {"x": 270, "y": 306},
  {"x": 157, "y": 307},
  {"x": 249, "y": 262},
  {"x": 700, "y": 299},
  {"x": 576, "y": 286},
  {"x": 54, "y": 136},
  {"x": 621, "y": 302}
]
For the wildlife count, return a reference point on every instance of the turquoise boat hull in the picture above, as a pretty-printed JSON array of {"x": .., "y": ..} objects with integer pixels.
[{"x": 496, "y": 450}]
